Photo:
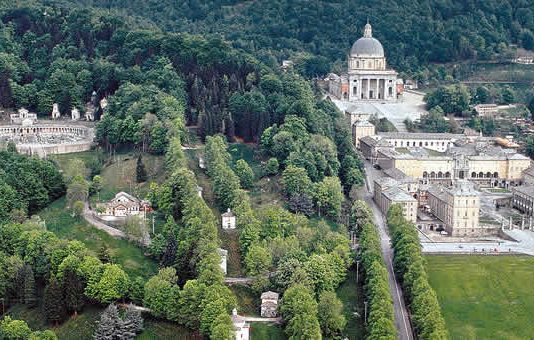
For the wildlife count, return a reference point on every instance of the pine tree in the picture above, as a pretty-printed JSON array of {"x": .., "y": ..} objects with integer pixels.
[
  {"x": 110, "y": 324},
  {"x": 29, "y": 286},
  {"x": 53, "y": 304},
  {"x": 140, "y": 171},
  {"x": 132, "y": 323},
  {"x": 104, "y": 255},
  {"x": 73, "y": 288}
]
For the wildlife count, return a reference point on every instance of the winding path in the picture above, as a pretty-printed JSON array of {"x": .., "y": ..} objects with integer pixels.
[
  {"x": 402, "y": 319},
  {"x": 90, "y": 218}
]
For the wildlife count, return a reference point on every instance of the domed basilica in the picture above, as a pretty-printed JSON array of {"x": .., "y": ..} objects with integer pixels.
[{"x": 368, "y": 78}]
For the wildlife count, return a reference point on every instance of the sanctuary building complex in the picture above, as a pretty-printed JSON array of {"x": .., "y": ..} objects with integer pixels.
[{"x": 368, "y": 77}]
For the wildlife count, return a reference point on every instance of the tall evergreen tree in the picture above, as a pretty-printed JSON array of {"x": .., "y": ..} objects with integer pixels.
[
  {"x": 29, "y": 286},
  {"x": 73, "y": 288},
  {"x": 132, "y": 322},
  {"x": 140, "y": 171},
  {"x": 110, "y": 325},
  {"x": 54, "y": 307}
]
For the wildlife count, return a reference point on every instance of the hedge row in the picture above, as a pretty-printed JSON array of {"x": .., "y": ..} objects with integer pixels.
[
  {"x": 409, "y": 265},
  {"x": 381, "y": 324}
]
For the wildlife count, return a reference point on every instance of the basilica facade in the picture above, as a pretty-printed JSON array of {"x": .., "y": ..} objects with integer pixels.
[{"x": 367, "y": 78}]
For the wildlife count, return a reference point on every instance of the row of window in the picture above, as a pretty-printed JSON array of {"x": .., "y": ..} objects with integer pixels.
[{"x": 408, "y": 143}]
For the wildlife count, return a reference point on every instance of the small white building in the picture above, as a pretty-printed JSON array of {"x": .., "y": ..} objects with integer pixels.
[
  {"x": 75, "y": 114},
  {"x": 124, "y": 204},
  {"x": 242, "y": 328},
  {"x": 55, "y": 111},
  {"x": 199, "y": 191},
  {"x": 201, "y": 163},
  {"x": 223, "y": 253},
  {"x": 269, "y": 304},
  {"x": 23, "y": 117},
  {"x": 228, "y": 220}
]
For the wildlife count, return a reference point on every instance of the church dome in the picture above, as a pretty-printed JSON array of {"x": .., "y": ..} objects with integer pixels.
[{"x": 367, "y": 46}]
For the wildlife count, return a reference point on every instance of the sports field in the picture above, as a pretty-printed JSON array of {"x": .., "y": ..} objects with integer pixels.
[{"x": 485, "y": 297}]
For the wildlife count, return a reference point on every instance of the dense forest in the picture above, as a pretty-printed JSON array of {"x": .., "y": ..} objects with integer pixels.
[{"x": 413, "y": 32}]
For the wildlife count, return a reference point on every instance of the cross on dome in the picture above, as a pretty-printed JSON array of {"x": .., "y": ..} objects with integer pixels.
[{"x": 368, "y": 30}]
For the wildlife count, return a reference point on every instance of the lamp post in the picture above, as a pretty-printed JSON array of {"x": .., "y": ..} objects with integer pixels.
[
  {"x": 357, "y": 271},
  {"x": 365, "y": 311}
]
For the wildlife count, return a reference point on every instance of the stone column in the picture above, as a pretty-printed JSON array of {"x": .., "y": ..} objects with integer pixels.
[
  {"x": 367, "y": 89},
  {"x": 511, "y": 225},
  {"x": 376, "y": 86}
]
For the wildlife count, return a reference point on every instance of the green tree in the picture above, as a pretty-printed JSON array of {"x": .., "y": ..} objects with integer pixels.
[
  {"x": 223, "y": 328},
  {"x": 245, "y": 174},
  {"x": 30, "y": 297},
  {"x": 330, "y": 314},
  {"x": 258, "y": 260},
  {"x": 434, "y": 121},
  {"x": 78, "y": 208},
  {"x": 159, "y": 291},
  {"x": 329, "y": 196},
  {"x": 140, "y": 171},
  {"x": 272, "y": 166},
  {"x": 508, "y": 95},
  {"x": 53, "y": 303},
  {"x": 295, "y": 180},
  {"x": 14, "y": 329},
  {"x": 73, "y": 288},
  {"x": 109, "y": 284}
]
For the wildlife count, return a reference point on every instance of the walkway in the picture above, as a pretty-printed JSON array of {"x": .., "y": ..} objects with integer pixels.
[
  {"x": 402, "y": 319},
  {"x": 88, "y": 215},
  {"x": 259, "y": 319}
]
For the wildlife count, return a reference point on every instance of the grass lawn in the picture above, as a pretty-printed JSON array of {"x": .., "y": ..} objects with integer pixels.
[
  {"x": 484, "y": 297},
  {"x": 83, "y": 326},
  {"x": 266, "y": 331},
  {"x": 120, "y": 175},
  {"x": 352, "y": 297},
  {"x": 248, "y": 303},
  {"x": 131, "y": 257}
]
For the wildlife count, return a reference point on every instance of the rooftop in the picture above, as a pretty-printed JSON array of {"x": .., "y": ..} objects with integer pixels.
[
  {"x": 524, "y": 189},
  {"x": 396, "y": 194},
  {"x": 419, "y": 135}
]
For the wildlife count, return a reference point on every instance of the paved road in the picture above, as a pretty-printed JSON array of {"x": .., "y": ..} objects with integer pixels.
[
  {"x": 402, "y": 320},
  {"x": 89, "y": 217}
]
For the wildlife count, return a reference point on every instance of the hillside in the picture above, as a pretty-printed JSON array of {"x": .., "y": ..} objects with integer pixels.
[{"x": 414, "y": 32}]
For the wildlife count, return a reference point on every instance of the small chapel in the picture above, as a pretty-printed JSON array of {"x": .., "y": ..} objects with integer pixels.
[{"x": 367, "y": 77}]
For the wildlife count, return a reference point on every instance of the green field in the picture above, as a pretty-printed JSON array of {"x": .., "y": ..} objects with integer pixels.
[
  {"x": 485, "y": 297},
  {"x": 266, "y": 331},
  {"x": 351, "y": 296}
]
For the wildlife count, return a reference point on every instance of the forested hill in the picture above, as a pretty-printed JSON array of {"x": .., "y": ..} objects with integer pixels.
[{"x": 414, "y": 32}]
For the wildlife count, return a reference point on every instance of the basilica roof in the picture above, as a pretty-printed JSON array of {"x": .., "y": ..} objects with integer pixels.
[{"x": 367, "y": 46}]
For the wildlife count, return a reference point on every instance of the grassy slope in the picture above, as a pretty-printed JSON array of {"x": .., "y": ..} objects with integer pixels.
[
  {"x": 352, "y": 297},
  {"x": 484, "y": 297},
  {"x": 83, "y": 326},
  {"x": 131, "y": 257}
]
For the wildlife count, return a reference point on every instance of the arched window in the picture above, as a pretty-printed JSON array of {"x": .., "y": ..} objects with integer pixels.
[
  {"x": 425, "y": 174},
  {"x": 495, "y": 175},
  {"x": 440, "y": 174},
  {"x": 481, "y": 175},
  {"x": 473, "y": 175},
  {"x": 447, "y": 174},
  {"x": 354, "y": 90},
  {"x": 432, "y": 174},
  {"x": 420, "y": 143},
  {"x": 357, "y": 64},
  {"x": 488, "y": 174}
]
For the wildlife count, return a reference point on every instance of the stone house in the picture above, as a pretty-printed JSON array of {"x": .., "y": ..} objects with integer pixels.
[
  {"x": 228, "y": 220},
  {"x": 269, "y": 304},
  {"x": 124, "y": 204}
]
